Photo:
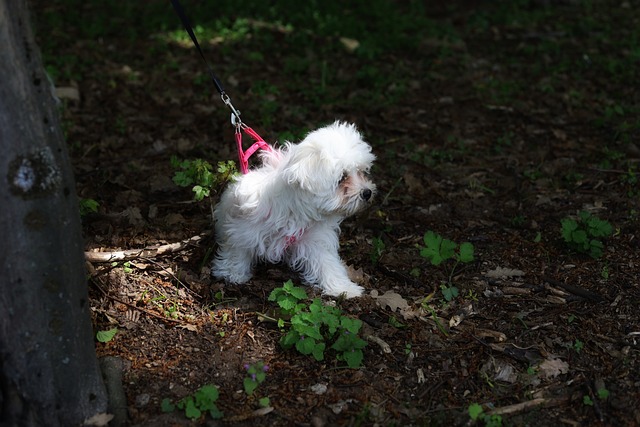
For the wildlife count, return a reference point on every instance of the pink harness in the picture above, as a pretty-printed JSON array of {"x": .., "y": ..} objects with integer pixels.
[
  {"x": 259, "y": 143},
  {"x": 243, "y": 157}
]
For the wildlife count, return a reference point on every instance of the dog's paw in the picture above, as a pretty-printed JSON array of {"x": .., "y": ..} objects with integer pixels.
[
  {"x": 346, "y": 288},
  {"x": 232, "y": 275}
]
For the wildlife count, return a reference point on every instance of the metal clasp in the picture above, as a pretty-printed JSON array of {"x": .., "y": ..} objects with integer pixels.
[{"x": 235, "y": 114}]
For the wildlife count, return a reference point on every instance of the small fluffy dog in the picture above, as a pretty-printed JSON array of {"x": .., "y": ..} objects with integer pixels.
[{"x": 290, "y": 209}]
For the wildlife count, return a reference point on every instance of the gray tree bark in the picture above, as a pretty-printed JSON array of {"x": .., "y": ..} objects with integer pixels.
[{"x": 49, "y": 373}]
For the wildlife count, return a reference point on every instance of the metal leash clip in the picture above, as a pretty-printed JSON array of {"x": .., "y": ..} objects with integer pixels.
[{"x": 235, "y": 114}]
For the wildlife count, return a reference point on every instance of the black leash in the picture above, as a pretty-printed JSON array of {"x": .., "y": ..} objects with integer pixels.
[
  {"x": 235, "y": 118},
  {"x": 259, "y": 144}
]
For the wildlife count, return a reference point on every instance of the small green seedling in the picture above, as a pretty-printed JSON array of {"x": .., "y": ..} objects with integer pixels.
[
  {"x": 256, "y": 374},
  {"x": 195, "y": 406},
  {"x": 583, "y": 235},
  {"x": 449, "y": 292},
  {"x": 316, "y": 327},
  {"x": 106, "y": 336},
  {"x": 439, "y": 250},
  {"x": 578, "y": 345},
  {"x": 476, "y": 413},
  {"x": 378, "y": 249},
  {"x": 603, "y": 394},
  {"x": 288, "y": 297},
  {"x": 126, "y": 266},
  {"x": 88, "y": 206},
  {"x": 199, "y": 175},
  {"x": 407, "y": 349}
]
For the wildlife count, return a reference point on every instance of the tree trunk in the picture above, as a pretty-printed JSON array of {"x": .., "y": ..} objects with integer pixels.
[{"x": 49, "y": 374}]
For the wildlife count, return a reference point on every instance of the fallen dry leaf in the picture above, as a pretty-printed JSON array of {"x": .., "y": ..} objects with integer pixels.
[
  {"x": 392, "y": 300},
  {"x": 99, "y": 420},
  {"x": 503, "y": 273},
  {"x": 551, "y": 368}
]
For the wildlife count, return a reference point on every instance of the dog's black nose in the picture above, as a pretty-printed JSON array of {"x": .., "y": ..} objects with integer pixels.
[{"x": 366, "y": 194}]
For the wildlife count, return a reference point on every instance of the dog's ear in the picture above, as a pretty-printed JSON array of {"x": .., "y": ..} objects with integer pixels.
[{"x": 307, "y": 167}]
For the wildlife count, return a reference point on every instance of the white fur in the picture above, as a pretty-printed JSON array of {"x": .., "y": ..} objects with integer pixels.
[{"x": 291, "y": 207}]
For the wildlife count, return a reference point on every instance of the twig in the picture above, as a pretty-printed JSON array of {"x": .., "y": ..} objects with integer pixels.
[
  {"x": 386, "y": 348},
  {"x": 581, "y": 292},
  {"x": 530, "y": 404},
  {"x": 393, "y": 187},
  {"x": 135, "y": 307},
  {"x": 148, "y": 252}
]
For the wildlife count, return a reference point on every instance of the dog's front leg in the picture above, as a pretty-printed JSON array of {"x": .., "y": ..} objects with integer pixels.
[
  {"x": 316, "y": 256},
  {"x": 233, "y": 264}
]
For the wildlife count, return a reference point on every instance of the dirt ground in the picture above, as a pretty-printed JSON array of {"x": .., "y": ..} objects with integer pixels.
[{"x": 491, "y": 138}]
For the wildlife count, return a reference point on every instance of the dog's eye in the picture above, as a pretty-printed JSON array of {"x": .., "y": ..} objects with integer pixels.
[{"x": 344, "y": 178}]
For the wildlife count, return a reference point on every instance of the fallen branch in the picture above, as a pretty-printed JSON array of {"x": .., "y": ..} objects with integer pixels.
[{"x": 148, "y": 252}]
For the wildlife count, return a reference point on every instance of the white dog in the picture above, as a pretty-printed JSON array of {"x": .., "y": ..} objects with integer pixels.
[{"x": 291, "y": 208}]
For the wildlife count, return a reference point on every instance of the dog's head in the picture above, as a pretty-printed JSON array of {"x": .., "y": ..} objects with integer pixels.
[{"x": 330, "y": 166}]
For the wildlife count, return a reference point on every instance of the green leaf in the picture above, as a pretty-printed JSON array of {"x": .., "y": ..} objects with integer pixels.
[
  {"x": 568, "y": 227},
  {"x": 182, "y": 179},
  {"x": 287, "y": 303},
  {"x": 167, "y": 406},
  {"x": 595, "y": 248},
  {"x": 275, "y": 294},
  {"x": 449, "y": 293},
  {"x": 215, "y": 413},
  {"x": 584, "y": 216},
  {"x": 88, "y": 206},
  {"x": 199, "y": 192},
  {"x": 603, "y": 393},
  {"x": 466, "y": 252},
  {"x": 475, "y": 411},
  {"x": 297, "y": 292},
  {"x": 447, "y": 249},
  {"x": 190, "y": 410},
  {"x": 316, "y": 306},
  {"x": 353, "y": 358},
  {"x": 580, "y": 237},
  {"x": 309, "y": 331},
  {"x": 290, "y": 339},
  {"x": 175, "y": 162},
  {"x": 106, "y": 336},
  {"x": 318, "y": 351},
  {"x": 432, "y": 247},
  {"x": 249, "y": 385},
  {"x": 206, "y": 393},
  {"x": 351, "y": 325},
  {"x": 264, "y": 402},
  {"x": 599, "y": 228},
  {"x": 306, "y": 345}
]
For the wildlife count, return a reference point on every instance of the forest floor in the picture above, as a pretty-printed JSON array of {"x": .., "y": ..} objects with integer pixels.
[{"x": 491, "y": 125}]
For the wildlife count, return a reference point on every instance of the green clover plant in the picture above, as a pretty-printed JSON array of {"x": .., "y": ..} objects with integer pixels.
[
  {"x": 439, "y": 251},
  {"x": 583, "y": 235},
  {"x": 256, "y": 374},
  {"x": 201, "y": 402},
  {"x": 476, "y": 413},
  {"x": 199, "y": 175},
  {"x": 315, "y": 327}
]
